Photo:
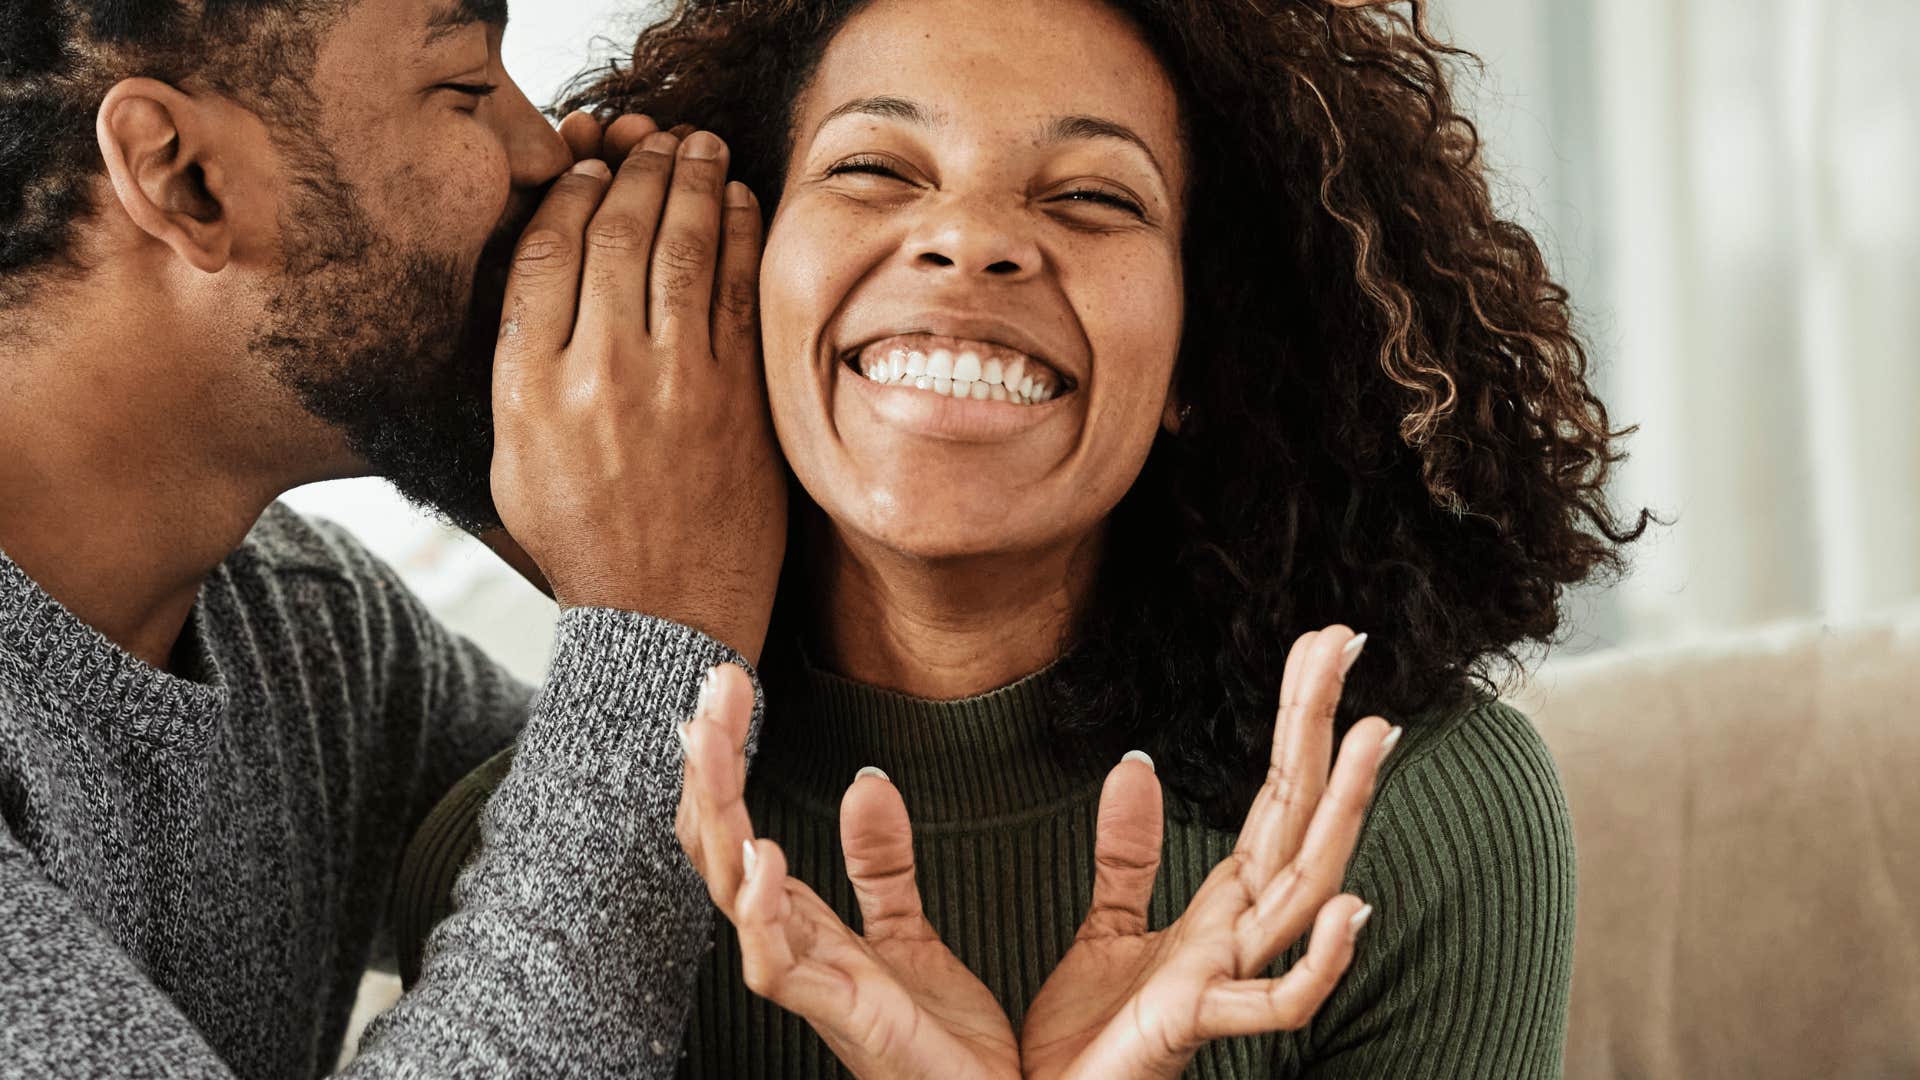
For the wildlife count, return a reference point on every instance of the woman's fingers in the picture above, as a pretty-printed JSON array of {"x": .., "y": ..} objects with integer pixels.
[
  {"x": 1302, "y": 749},
  {"x": 716, "y": 740},
  {"x": 794, "y": 951},
  {"x": 1256, "y": 1006},
  {"x": 687, "y": 250},
  {"x": 1126, "y": 849},
  {"x": 1287, "y": 903},
  {"x": 878, "y": 840}
]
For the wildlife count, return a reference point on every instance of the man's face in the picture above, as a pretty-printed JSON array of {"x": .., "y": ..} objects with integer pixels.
[{"x": 410, "y": 182}]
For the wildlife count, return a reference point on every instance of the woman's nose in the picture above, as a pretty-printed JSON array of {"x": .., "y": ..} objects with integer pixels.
[{"x": 968, "y": 237}]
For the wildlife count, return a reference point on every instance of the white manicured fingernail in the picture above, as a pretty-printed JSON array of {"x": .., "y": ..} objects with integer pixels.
[
  {"x": 707, "y": 683},
  {"x": 874, "y": 771},
  {"x": 1359, "y": 919},
  {"x": 1351, "y": 653},
  {"x": 749, "y": 857},
  {"x": 1140, "y": 756},
  {"x": 1387, "y": 744},
  {"x": 686, "y": 741}
]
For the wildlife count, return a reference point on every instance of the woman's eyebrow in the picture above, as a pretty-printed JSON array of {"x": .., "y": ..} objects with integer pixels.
[
  {"x": 887, "y": 107},
  {"x": 1070, "y": 128},
  {"x": 1061, "y": 129}
]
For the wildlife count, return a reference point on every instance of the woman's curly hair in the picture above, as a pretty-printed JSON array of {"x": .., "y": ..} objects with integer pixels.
[{"x": 1391, "y": 421}]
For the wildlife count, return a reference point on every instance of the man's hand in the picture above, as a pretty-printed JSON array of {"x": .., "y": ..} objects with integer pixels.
[
  {"x": 895, "y": 1003},
  {"x": 1129, "y": 1004},
  {"x": 634, "y": 457}
]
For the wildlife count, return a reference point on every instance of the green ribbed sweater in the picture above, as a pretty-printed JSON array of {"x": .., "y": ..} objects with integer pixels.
[{"x": 1467, "y": 857}]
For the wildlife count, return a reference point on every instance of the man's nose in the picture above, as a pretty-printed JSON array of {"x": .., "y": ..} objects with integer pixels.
[{"x": 535, "y": 152}]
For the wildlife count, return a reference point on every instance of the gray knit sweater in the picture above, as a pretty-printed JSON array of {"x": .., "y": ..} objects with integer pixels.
[{"x": 194, "y": 867}]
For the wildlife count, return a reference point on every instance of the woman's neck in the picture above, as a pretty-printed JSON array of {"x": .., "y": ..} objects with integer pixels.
[{"x": 947, "y": 628}]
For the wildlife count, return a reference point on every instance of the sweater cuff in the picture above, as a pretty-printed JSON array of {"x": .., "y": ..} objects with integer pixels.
[{"x": 619, "y": 685}]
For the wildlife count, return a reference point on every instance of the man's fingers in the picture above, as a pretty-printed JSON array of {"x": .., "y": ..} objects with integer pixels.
[
  {"x": 878, "y": 840},
  {"x": 625, "y": 133},
  {"x": 736, "y": 292},
  {"x": 582, "y": 134},
  {"x": 1295, "y": 892},
  {"x": 687, "y": 249},
  {"x": 1257, "y": 1006},
  {"x": 543, "y": 288},
  {"x": 619, "y": 245},
  {"x": 1126, "y": 849},
  {"x": 717, "y": 777}
]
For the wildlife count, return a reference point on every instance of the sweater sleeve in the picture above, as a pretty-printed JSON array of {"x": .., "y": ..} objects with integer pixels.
[
  {"x": 1465, "y": 969},
  {"x": 570, "y": 957},
  {"x": 571, "y": 950}
]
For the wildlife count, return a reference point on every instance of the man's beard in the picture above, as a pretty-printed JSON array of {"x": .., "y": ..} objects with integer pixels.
[{"x": 392, "y": 347}]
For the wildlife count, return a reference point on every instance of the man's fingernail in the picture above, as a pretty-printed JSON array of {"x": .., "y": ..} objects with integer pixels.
[
  {"x": 701, "y": 146},
  {"x": 1359, "y": 919},
  {"x": 1351, "y": 653},
  {"x": 738, "y": 194},
  {"x": 874, "y": 771},
  {"x": 1140, "y": 756},
  {"x": 593, "y": 167},
  {"x": 749, "y": 857},
  {"x": 1387, "y": 744}
]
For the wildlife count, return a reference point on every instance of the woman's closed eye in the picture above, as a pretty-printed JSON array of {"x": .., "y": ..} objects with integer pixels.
[{"x": 881, "y": 168}]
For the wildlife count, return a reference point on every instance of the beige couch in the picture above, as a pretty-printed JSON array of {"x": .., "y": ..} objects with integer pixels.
[
  {"x": 1747, "y": 814},
  {"x": 1748, "y": 820}
]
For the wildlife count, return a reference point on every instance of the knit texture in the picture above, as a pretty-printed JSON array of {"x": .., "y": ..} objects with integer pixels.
[
  {"x": 194, "y": 866},
  {"x": 1467, "y": 856}
]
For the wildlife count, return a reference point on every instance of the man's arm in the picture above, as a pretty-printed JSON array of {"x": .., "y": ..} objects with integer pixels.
[{"x": 571, "y": 949}]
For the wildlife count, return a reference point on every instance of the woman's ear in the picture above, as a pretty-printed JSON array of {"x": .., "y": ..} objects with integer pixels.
[
  {"x": 161, "y": 148},
  {"x": 1172, "y": 415}
]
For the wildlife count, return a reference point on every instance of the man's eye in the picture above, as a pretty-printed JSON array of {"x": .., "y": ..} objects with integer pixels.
[{"x": 474, "y": 90}]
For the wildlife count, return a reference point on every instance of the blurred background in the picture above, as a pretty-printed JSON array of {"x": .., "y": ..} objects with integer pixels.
[{"x": 1729, "y": 189}]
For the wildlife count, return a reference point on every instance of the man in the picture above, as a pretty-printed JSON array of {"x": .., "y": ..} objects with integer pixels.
[{"x": 250, "y": 245}]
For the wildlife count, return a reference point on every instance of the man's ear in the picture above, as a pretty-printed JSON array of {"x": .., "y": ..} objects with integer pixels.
[{"x": 161, "y": 153}]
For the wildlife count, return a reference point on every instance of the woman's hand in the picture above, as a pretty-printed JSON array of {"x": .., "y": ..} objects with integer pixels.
[
  {"x": 893, "y": 1003},
  {"x": 1126, "y": 1002}
]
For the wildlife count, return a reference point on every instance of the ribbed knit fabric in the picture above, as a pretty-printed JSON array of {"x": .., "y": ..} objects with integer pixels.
[
  {"x": 194, "y": 864},
  {"x": 1466, "y": 855}
]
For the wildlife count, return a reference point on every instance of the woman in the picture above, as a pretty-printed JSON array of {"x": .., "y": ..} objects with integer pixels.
[{"x": 1114, "y": 345}]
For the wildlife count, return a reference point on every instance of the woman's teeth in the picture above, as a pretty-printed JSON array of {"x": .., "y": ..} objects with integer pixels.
[{"x": 963, "y": 375}]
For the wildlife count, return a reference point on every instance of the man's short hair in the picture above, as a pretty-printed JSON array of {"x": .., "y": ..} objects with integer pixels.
[{"x": 58, "y": 59}]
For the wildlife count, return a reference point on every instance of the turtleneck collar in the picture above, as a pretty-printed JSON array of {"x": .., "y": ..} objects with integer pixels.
[{"x": 959, "y": 764}]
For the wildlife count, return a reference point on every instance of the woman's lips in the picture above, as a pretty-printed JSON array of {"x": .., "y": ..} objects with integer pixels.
[
  {"x": 960, "y": 368},
  {"x": 933, "y": 414}
]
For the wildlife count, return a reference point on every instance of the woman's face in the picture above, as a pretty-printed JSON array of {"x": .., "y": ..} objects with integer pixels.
[{"x": 971, "y": 293}]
